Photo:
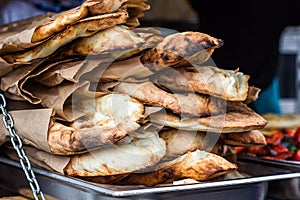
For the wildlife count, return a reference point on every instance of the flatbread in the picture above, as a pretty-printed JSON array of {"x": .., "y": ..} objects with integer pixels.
[
  {"x": 14, "y": 198},
  {"x": 107, "y": 120},
  {"x": 117, "y": 38},
  {"x": 135, "y": 9},
  {"x": 130, "y": 154},
  {"x": 198, "y": 165},
  {"x": 282, "y": 121},
  {"x": 180, "y": 142},
  {"x": 230, "y": 85},
  {"x": 245, "y": 139},
  {"x": 83, "y": 28},
  {"x": 238, "y": 118},
  {"x": 89, "y": 7},
  {"x": 179, "y": 49},
  {"x": 189, "y": 103},
  {"x": 150, "y": 35}
]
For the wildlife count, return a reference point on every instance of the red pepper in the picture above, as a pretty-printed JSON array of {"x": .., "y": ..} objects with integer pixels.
[
  {"x": 254, "y": 150},
  {"x": 239, "y": 149},
  {"x": 275, "y": 139},
  {"x": 284, "y": 155},
  {"x": 280, "y": 148},
  {"x": 290, "y": 132},
  {"x": 297, "y": 136},
  {"x": 296, "y": 156}
]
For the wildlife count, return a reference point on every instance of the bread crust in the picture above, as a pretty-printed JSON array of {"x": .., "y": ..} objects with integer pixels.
[
  {"x": 197, "y": 165},
  {"x": 179, "y": 49}
]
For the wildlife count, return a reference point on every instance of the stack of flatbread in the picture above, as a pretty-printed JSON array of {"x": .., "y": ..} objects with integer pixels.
[{"x": 125, "y": 105}]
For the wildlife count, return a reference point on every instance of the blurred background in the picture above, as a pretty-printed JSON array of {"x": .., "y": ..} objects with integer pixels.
[{"x": 262, "y": 39}]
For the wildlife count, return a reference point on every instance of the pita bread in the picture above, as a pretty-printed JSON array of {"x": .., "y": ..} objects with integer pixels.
[
  {"x": 105, "y": 179},
  {"x": 108, "y": 119},
  {"x": 15, "y": 198},
  {"x": 92, "y": 7},
  {"x": 190, "y": 103},
  {"x": 135, "y": 9},
  {"x": 16, "y": 36},
  {"x": 253, "y": 93},
  {"x": 247, "y": 139},
  {"x": 282, "y": 121},
  {"x": 179, "y": 49},
  {"x": 129, "y": 155},
  {"x": 198, "y": 165},
  {"x": 230, "y": 85},
  {"x": 117, "y": 38},
  {"x": 238, "y": 118},
  {"x": 150, "y": 35},
  {"x": 83, "y": 28},
  {"x": 180, "y": 142}
]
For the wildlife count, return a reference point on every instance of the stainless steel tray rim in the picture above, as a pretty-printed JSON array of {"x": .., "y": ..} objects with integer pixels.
[{"x": 98, "y": 188}]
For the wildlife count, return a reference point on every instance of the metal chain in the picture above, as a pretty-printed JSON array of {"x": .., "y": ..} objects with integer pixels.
[{"x": 18, "y": 146}]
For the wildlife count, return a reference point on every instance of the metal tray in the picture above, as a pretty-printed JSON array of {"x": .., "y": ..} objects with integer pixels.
[
  {"x": 63, "y": 187},
  {"x": 280, "y": 189}
]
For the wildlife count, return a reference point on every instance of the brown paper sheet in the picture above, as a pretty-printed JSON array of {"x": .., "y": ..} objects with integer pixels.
[
  {"x": 53, "y": 76},
  {"x": 10, "y": 83},
  {"x": 16, "y": 36},
  {"x": 32, "y": 127},
  {"x": 93, "y": 70},
  {"x": 119, "y": 71},
  {"x": 40, "y": 158},
  {"x": 5, "y": 67},
  {"x": 62, "y": 98}
]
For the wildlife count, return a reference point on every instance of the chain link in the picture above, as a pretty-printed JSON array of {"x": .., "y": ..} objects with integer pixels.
[{"x": 18, "y": 146}]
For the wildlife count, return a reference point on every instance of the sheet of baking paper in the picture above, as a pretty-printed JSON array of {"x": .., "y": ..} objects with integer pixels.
[
  {"x": 32, "y": 127},
  {"x": 10, "y": 83},
  {"x": 40, "y": 158},
  {"x": 16, "y": 36}
]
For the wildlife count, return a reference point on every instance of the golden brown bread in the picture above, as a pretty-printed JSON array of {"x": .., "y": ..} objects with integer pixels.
[
  {"x": 238, "y": 118},
  {"x": 282, "y": 121},
  {"x": 180, "y": 142},
  {"x": 198, "y": 165},
  {"x": 150, "y": 35},
  {"x": 179, "y": 49},
  {"x": 135, "y": 9},
  {"x": 89, "y": 7},
  {"x": 14, "y": 198},
  {"x": 247, "y": 139},
  {"x": 230, "y": 85},
  {"x": 117, "y": 38},
  {"x": 64, "y": 140},
  {"x": 189, "y": 103},
  {"x": 135, "y": 152},
  {"x": 82, "y": 28},
  {"x": 107, "y": 120}
]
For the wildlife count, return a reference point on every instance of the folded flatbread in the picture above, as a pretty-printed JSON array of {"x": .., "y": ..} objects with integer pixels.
[
  {"x": 198, "y": 165},
  {"x": 117, "y": 38},
  {"x": 188, "y": 103},
  {"x": 83, "y": 28},
  {"x": 107, "y": 120},
  {"x": 247, "y": 139},
  {"x": 179, "y": 49},
  {"x": 230, "y": 85},
  {"x": 180, "y": 142},
  {"x": 130, "y": 154},
  {"x": 135, "y": 9},
  {"x": 150, "y": 35},
  {"x": 282, "y": 121},
  {"x": 238, "y": 118},
  {"x": 89, "y": 7}
]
